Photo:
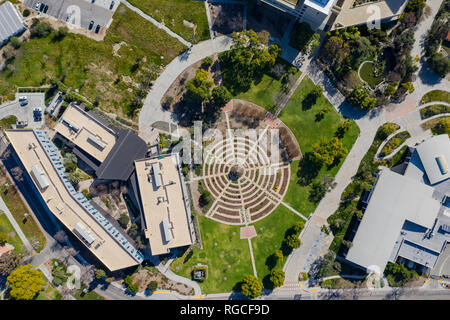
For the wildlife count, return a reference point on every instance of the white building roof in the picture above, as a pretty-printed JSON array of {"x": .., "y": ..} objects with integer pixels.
[
  {"x": 435, "y": 156},
  {"x": 10, "y": 21},
  {"x": 396, "y": 198}
]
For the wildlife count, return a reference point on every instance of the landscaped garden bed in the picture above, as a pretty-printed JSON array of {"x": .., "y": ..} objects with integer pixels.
[
  {"x": 436, "y": 95},
  {"x": 438, "y": 126},
  {"x": 433, "y": 110},
  {"x": 393, "y": 143}
]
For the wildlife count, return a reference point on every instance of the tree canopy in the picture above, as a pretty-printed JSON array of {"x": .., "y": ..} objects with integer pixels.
[
  {"x": 25, "y": 282},
  {"x": 360, "y": 97},
  {"x": 329, "y": 151},
  {"x": 247, "y": 60},
  {"x": 199, "y": 88},
  {"x": 251, "y": 286},
  {"x": 277, "y": 277}
]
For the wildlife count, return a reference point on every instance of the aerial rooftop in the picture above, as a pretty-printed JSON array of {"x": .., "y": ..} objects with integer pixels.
[
  {"x": 435, "y": 156},
  {"x": 86, "y": 132},
  {"x": 42, "y": 161},
  {"x": 395, "y": 199},
  {"x": 350, "y": 16},
  {"x": 164, "y": 203},
  {"x": 10, "y": 22}
]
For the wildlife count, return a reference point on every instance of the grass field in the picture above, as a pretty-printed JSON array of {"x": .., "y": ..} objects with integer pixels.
[
  {"x": 90, "y": 295},
  {"x": 227, "y": 257},
  {"x": 436, "y": 95},
  {"x": 271, "y": 232},
  {"x": 264, "y": 92},
  {"x": 366, "y": 74},
  {"x": 172, "y": 13},
  {"x": 92, "y": 66},
  {"x": 7, "y": 228},
  {"x": 308, "y": 131},
  {"x": 15, "y": 204}
]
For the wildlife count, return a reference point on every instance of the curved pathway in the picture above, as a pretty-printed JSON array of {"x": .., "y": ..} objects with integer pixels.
[{"x": 152, "y": 110}]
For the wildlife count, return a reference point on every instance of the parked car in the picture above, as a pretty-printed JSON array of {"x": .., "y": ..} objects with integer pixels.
[
  {"x": 42, "y": 7},
  {"x": 111, "y": 6},
  {"x": 45, "y": 8},
  {"x": 97, "y": 29},
  {"x": 37, "y": 6},
  {"x": 91, "y": 25}
]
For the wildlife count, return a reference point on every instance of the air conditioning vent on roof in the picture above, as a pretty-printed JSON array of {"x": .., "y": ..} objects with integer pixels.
[{"x": 442, "y": 164}]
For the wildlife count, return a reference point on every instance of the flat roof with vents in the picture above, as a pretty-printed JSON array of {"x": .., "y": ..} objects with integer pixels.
[
  {"x": 68, "y": 205},
  {"x": 166, "y": 210},
  {"x": 86, "y": 132}
]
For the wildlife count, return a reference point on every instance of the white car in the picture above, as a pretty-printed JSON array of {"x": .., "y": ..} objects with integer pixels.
[
  {"x": 37, "y": 6},
  {"x": 21, "y": 98}
]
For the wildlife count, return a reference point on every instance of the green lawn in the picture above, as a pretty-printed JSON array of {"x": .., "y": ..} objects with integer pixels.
[
  {"x": 90, "y": 65},
  {"x": 15, "y": 204},
  {"x": 271, "y": 232},
  {"x": 228, "y": 261},
  {"x": 90, "y": 295},
  {"x": 436, "y": 95},
  {"x": 308, "y": 131},
  {"x": 7, "y": 228},
  {"x": 172, "y": 13},
  {"x": 264, "y": 92},
  {"x": 367, "y": 75}
]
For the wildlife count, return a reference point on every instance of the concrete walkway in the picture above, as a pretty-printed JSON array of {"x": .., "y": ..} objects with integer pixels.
[
  {"x": 152, "y": 110},
  {"x": 15, "y": 225},
  {"x": 156, "y": 23}
]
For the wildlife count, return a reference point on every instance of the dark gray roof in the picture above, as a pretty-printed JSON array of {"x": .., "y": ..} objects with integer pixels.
[
  {"x": 119, "y": 164},
  {"x": 10, "y": 22}
]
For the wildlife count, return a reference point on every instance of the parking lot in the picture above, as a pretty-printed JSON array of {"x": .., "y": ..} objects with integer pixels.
[
  {"x": 81, "y": 13},
  {"x": 25, "y": 112}
]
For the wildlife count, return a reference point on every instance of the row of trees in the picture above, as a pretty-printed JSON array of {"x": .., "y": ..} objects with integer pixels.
[
  {"x": 252, "y": 286},
  {"x": 436, "y": 36}
]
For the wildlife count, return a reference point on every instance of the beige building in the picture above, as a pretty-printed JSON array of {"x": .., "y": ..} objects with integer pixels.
[
  {"x": 86, "y": 132},
  {"x": 164, "y": 202},
  {"x": 42, "y": 161},
  {"x": 334, "y": 14}
]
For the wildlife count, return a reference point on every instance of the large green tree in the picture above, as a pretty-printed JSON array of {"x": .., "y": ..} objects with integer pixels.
[
  {"x": 360, "y": 97},
  {"x": 251, "y": 286},
  {"x": 247, "y": 60},
  {"x": 25, "y": 282},
  {"x": 329, "y": 151},
  {"x": 277, "y": 277},
  {"x": 199, "y": 88}
]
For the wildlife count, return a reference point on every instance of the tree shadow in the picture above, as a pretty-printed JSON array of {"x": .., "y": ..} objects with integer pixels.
[
  {"x": 309, "y": 168},
  {"x": 267, "y": 283}
]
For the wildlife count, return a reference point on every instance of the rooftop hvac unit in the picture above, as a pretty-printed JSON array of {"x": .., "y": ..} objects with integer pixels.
[
  {"x": 167, "y": 231},
  {"x": 71, "y": 125},
  {"x": 96, "y": 142},
  {"x": 156, "y": 175},
  {"x": 442, "y": 164},
  {"x": 39, "y": 177},
  {"x": 86, "y": 235}
]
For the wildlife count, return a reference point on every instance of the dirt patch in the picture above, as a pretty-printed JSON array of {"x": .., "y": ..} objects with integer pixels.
[
  {"x": 148, "y": 274},
  {"x": 117, "y": 47}
]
